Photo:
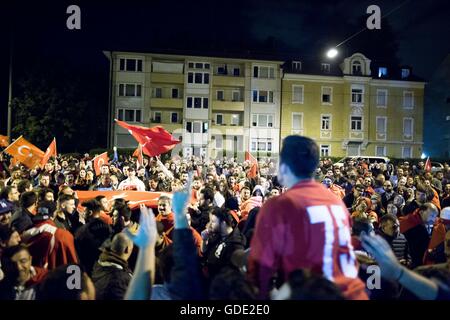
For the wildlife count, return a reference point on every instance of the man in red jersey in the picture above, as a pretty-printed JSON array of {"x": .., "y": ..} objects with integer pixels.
[{"x": 307, "y": 227}]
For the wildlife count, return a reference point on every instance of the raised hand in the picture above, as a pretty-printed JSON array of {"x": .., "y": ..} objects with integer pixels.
[
  {"x": 146, "y": 234},
  {"x": 383, "y": 254},
  {"x": 180, "y": 201}
]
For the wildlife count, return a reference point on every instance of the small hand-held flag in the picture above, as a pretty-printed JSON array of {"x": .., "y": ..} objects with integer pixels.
[
  {"x": 99, "y": 161},
  {"x": 116, "y": 157},
  {"x": 50, "y": 152},
  {"x": 428, "y": 165},
  {"x": 253, "y": 165}
]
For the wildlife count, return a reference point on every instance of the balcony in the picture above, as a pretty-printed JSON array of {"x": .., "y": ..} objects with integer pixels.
[
  {"x": 227, "y": 129},
  {"x": 167, "y": 78},
  {"x": 168, "y": 103},
  {"x": 228, "y": 105},
  {"x": 171, "y": 127},
  {"x": 230, "y": 81}
]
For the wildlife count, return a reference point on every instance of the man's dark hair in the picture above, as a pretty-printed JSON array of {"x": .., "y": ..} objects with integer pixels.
[
  {"x": 42, "y": 192},
  {"x": 65, "y": 197},
  {"x": 23, "y": 185},
  {"x": 224, "y": 216},
  {"x": 54, "y": 287},
  {"x": 5, "y": 233},
  {"x": 5, "y": 192},
  {"x": 27, "y": 199},
  {"x": 93, "y": 205},
  {"x": 208, "y": 194},
  {"x": 360, "y": 225},
  {"x": 7, "y": 255},
  {"x": 99, "y": 197},
  {"x": 300, "y": 154},
  {"x": 388, "y": 217}
]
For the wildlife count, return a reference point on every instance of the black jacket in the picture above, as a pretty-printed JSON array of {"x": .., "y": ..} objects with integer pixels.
[
  {"x": 418, "y": 240},
  {"x": 385, "y": 199},
  {"x": 111, "y": 277},
  {"x": 218, "y": 251},
  {"x": 22, "y": 220},
  {"x": 200, "y": 218}
]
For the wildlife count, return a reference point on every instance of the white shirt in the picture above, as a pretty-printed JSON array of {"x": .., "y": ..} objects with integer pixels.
[
  {"x": 219, "y": 200},
  {"x": 135, "y": 184}
]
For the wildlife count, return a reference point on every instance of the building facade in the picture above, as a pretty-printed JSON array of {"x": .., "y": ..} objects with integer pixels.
[{"x": 224, "y": 106}]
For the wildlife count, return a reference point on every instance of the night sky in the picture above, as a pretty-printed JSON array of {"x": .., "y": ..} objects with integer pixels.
[{"x": 281, "y": 28}]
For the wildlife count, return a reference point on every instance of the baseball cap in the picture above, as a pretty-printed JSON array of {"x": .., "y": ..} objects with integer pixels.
[{"x": 5, "y": 206}]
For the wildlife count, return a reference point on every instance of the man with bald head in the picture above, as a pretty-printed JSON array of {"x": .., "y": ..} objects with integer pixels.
[
  {"x": 418, "y": 228},
  {"x": 111, "y": 274}
]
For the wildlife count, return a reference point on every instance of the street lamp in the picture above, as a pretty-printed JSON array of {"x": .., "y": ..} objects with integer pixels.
[{"x": 332, "y": 53}]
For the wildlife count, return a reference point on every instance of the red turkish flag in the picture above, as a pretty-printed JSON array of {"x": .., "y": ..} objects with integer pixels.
[
  {"x": 428, "y": 165},
  {"x": 25, "y": 152},
  {"x": 154, "y": 141},
  {"x": 253, "y": 165},
  {"x": 50, "y": 152},
  {"x": 99, "y": 161}
]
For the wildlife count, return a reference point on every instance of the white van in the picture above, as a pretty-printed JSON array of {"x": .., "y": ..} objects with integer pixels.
[{"x": 371, "y": 159}]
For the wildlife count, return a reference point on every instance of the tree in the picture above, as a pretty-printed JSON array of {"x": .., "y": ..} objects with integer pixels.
[{"x": 50, "y": 102}]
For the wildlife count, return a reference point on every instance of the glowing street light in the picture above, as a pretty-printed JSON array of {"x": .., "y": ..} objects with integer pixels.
[{"x": 332, "y": 53}]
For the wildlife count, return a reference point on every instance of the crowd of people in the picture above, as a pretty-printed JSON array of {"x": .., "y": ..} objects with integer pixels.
[{"x": 302, "y": 228}]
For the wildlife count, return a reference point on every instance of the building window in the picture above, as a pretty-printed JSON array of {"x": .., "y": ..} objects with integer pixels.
[
  {"x": 236, "y": 72},
  {"x": 262, "y": 120},
  {"x": 327, "y": 95},
  {"x": 175, "y": 93},
  {"x": 380, "y": 151},
  {"x": 236, "y": 96},
  {"x": 405, "y": 73},
  {"x": 356, "y": 123},
  {"x": 198, "y": 65},
  {"x": 205, "y": 127},
  {"x": 356, "y": 68},
  {"x": 174, "y": 117},
  {"x": 297, "y": 123},
  {"x": 130, "y": 90},
  {"x": 130, "y": 65},
  {"x": 263, "y": 72},
  {"x": 191, "y": 65},
  {"x": 219, "y": 95},
  {"x": 381, "y": 98},
  {"x": 219, "y": 119},
  {"x": 157, "y": 117},
  {"x": 296, "y": 65},
  {"x": 197, "y": 102},
  {"x": 382, "y": 72},
  {"x": 129, "y": 115},
  {"x": 198, "y": 77},
  {"x": 408, "y": 99},
  {"x": 325, "y": 67},
  {"x": 261, "y": 144},
  {"x": 381, "y": 125},
  {"x": 234, "y": 119},
  {"x": 357, "y": 95},
  {"x": 197, "y": 127},
  {"x": 325, "y": 122},
  {"x": 263, "y": 96},
  {"x": 158, "y": 92},
  {"x": 325, "y": 150},
  {"x": 408, "y": 124},
  {"x": 222, "y": 70},
  {"x": 297, "y": 94},
  {"x": 219, "y": 142},
  {"x": 406, "y": 152}
]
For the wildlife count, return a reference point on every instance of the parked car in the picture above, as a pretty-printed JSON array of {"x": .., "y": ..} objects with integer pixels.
[
  {"x": 372, "y": 159},
  {"x": 436, "y": 166}
]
